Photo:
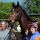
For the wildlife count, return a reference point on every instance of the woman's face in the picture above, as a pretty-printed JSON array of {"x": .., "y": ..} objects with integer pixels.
[{"x": 33, "y": 30}]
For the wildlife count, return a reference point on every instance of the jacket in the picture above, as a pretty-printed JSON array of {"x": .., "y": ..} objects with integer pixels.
[
  {"x": 35, "y": 36},
  {"x": 4, "y": 34}
]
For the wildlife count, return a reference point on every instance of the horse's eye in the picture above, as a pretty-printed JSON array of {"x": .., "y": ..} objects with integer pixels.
[{"x": 13, "y": 9}]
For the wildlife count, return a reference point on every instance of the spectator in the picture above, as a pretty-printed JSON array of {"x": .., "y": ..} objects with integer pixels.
[
  {"x": 4, "y": 33},
  {"x": 34, "y": 30}
]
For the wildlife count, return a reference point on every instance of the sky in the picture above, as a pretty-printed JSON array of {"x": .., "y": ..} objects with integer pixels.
[{"x": 20, "y": 1}]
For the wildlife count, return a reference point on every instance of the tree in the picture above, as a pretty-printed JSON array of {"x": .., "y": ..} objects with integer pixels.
[
  {"x": 5, "y": 9},
  {"x": 33, "y": 5}
]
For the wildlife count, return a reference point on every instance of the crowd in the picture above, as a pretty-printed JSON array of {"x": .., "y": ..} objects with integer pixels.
[{"x": 5, "y": 33}]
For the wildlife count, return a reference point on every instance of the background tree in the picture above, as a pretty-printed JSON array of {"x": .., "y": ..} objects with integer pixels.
[
  {"x": 5, "y": 9},
  {"x": 32, "y": 5}
]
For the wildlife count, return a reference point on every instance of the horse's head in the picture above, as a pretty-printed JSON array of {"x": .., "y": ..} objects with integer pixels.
[{"x": 16, "y": 12}]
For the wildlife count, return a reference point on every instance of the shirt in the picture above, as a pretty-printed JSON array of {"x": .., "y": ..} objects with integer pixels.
[
  {"x": 26, "y": 37},
  {"x": 4, "y": 34},
  {"x": 35, "y": 36}
]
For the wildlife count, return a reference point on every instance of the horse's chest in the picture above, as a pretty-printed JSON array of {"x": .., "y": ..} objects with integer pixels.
[{"x": 24, "y": 22}]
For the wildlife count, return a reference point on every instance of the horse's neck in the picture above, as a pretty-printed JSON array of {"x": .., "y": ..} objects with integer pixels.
[
  {"x": 24, "y": 22},
  {"x": 25, "y": 19}
]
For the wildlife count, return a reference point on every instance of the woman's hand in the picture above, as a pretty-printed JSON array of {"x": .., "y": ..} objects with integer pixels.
[{"x": 26, "y": 32}]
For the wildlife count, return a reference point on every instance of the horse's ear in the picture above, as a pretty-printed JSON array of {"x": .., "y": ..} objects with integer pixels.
[
  {"x": 13, "y": 4},
  {"x": 17, "y": 3}
]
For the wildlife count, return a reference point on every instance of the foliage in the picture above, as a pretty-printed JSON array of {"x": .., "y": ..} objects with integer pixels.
[
  {"x": 5, "y": 9},
  {"x": 33, "y": 5}
]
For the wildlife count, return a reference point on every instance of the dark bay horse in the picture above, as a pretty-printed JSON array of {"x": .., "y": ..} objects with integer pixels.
[{"x": 19, "y": 14}]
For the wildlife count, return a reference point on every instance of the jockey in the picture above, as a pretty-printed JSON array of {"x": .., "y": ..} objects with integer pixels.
[{"x": 34, "y": 30}]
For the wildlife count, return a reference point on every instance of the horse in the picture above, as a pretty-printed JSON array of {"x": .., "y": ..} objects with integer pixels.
[{"x": 20, "y": 15}]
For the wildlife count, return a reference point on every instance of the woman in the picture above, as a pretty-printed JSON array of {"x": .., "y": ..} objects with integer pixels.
[{"x": 34, "y": 30}]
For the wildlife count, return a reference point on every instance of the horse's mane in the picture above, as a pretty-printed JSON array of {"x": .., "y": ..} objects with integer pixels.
[{"x": 25, "y": 13}]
